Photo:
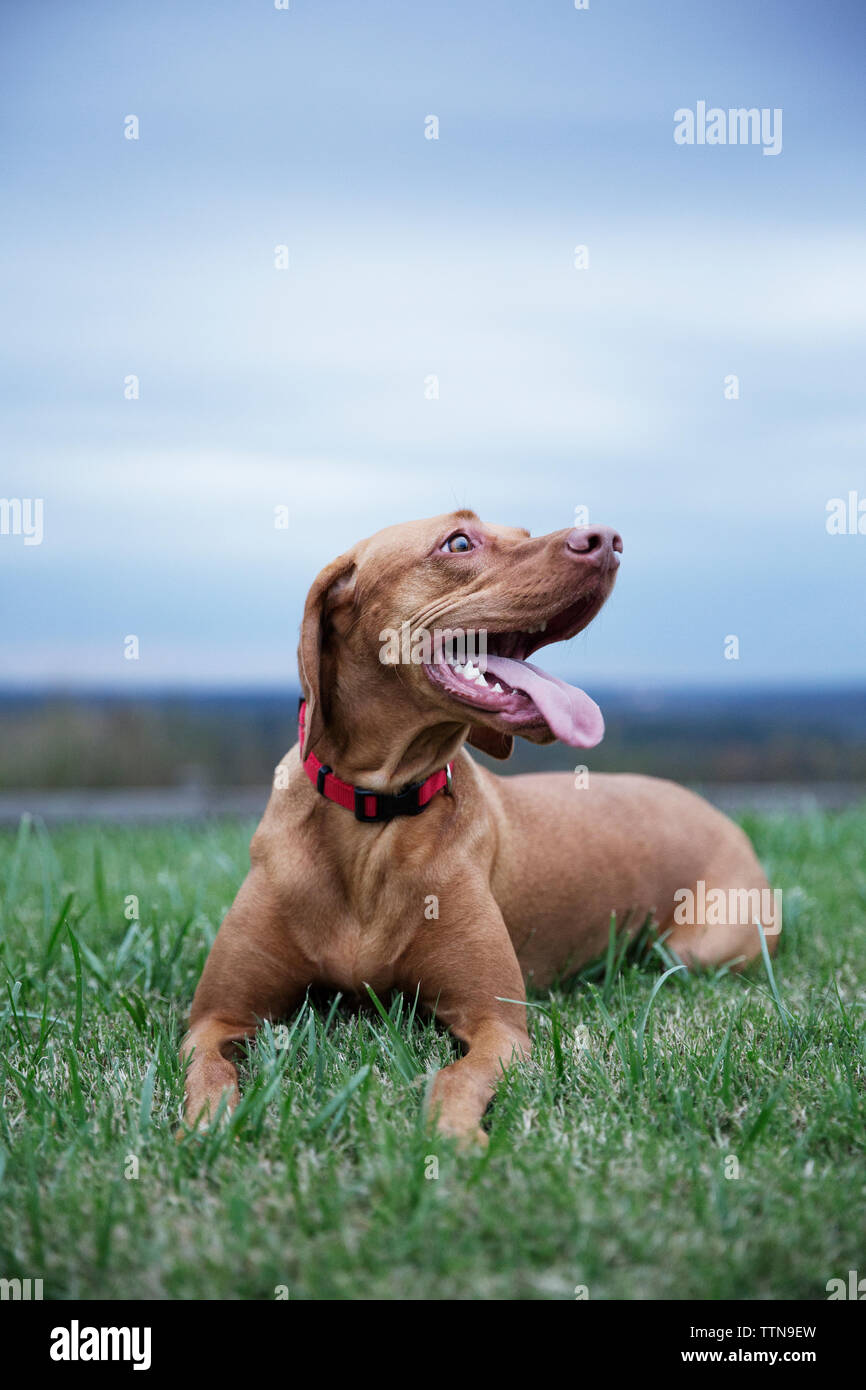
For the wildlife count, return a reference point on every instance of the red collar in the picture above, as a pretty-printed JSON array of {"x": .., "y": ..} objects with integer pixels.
[{"x": 369, "y": 805}]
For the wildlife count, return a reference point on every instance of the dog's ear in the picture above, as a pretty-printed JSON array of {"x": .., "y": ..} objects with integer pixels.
[
  {"x": 333, "y": 590},
  {"x": 490, "y": 741}
]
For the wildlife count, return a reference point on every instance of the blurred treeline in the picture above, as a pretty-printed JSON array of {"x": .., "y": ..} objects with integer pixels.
[{"x": 99, "y": 740}]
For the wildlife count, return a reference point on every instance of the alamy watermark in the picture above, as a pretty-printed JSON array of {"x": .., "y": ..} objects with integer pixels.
[
  {"x": 846, "y": 516},
  {"x": 739, "y": 125},
  {"x": 20, "y": 1290},
  {"x": 457, "y": 646},
  {"x": 22, "y": 516},
  {"x": 854, "y": 1288},
  {"x": 728, "y": 907},
  {"x": 77, "y": 1343}
]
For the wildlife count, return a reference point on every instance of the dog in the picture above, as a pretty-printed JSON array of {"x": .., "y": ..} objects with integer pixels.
[{"x": 388, "y": 857}]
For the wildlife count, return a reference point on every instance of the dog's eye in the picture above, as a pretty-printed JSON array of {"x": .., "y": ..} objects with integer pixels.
[{"x": 458, "y": 544}]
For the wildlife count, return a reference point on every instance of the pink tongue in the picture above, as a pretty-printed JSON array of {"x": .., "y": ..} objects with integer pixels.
[{"x": 569, "y": 712}]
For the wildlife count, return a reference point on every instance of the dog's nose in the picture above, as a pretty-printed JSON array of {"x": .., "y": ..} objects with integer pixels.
[{"x": 598, "y": 544}]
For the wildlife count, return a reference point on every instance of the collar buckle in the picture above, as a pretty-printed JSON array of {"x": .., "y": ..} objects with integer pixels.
[{"x": 388, "y": 804}]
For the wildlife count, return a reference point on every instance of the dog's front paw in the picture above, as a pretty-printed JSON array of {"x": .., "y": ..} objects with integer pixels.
[
  {"x": 470, "y": 1137},
  {"x": 473, "y": 1141}
]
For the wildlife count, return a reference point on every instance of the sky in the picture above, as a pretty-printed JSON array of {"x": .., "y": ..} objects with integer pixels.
[{"x": 411, "y": 258}]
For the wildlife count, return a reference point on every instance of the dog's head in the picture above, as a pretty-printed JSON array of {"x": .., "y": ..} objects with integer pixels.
[{"x": 435, "y": 621}]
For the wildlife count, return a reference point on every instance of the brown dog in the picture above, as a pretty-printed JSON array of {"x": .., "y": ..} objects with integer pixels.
[{"x": 466, "y": 884}]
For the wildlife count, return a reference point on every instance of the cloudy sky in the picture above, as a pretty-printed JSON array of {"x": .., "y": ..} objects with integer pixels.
[{"x": 410, "y": 258}]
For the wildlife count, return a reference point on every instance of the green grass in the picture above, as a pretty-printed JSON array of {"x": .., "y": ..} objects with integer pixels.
[{"x": 608, "y": 1153}]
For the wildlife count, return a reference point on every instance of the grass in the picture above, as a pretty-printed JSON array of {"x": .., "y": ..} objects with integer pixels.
[{"x": 610, "y": 1151}]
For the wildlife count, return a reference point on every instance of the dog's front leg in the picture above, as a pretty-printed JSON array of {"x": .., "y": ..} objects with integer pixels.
[
  {"x": 208, "y": 1048},
  {"x": 253, "y": 972},
  {"x": 466, "y": 971},
  {"x": 462, "y": 1092}
]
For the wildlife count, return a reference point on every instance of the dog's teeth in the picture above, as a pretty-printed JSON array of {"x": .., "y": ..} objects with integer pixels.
[
  {"x": 543, "y": 627},
  {"x": 470, "y": 672},
  {"x": 479, "y": 679},
  {"x": 498, "y": 688},
  {"x": 458, "y": 668}
]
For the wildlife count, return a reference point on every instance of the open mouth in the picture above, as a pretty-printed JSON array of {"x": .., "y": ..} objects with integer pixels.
[{"x": 520, "y": 696}]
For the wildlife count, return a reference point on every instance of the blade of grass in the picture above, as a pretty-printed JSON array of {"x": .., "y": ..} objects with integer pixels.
[
  {"x": 145, "y": 1108},
  {"x": 782, "y": 1011},
  {"x": 79, "y": 988},
  {"x": 340, "y": 1100},
  {"x": 403, "y": 1059}
]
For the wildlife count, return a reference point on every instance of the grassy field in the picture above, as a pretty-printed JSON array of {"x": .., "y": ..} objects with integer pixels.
[{"x": 610, "y": 1152}]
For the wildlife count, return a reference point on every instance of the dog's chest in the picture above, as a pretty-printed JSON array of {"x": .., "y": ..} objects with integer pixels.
[
  {"x": 357, "y": 954},
  {"x": 357, "y": 940},
  {"x": 357, "y": 910}
]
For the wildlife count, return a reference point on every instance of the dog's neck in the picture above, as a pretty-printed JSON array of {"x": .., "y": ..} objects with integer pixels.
[{"x": 387, "y": 753}]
